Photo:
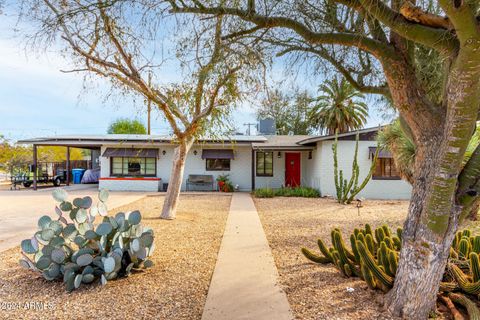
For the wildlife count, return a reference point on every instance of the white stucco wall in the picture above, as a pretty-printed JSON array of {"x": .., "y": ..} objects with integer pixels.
[
  {"x": 240, "y": 167},
  {"x": 316, "y": 172},
  {"x": 323, "y": 177},
  {"x": 130, "y": 185}
]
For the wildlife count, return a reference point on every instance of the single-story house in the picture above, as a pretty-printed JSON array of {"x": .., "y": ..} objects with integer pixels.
[{"x": 144, "y": 162}]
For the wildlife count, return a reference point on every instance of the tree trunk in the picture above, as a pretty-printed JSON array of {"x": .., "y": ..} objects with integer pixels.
[
  {"x": 424, "y": 252},
  {"x": 433, "y": 215},
  {"x": 176, "y": 177}
]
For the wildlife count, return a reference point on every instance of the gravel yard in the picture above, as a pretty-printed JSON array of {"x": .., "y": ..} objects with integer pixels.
[
  {"x": 175, "y": 288},
  {"x": 319, "y": 291}
]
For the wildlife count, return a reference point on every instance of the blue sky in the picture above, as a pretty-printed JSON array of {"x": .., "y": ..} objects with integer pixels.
[{"x": 37, "y": 99}]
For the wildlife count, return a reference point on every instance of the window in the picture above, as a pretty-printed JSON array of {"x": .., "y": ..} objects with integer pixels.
[
  {"x": 128, "y": 166},
  {"x": 264, "y": 164},
  {"x": 218, "y": 164},
  {"x": 385, "y": 170}
]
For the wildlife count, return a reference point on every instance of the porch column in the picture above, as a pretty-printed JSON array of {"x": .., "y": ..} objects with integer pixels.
[
  {"x": 34, "y": 167},
  {"x": 253, "y": 169},
  {"x": 68, "y": 166}
]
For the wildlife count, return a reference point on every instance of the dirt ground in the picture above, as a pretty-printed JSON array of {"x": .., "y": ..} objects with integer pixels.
[
  {"x": 175, "y": 288},
  {"x": 319, "y": 291}
]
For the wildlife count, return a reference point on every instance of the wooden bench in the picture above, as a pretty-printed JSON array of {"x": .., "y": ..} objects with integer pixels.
[{"x": 200, "y": 180}]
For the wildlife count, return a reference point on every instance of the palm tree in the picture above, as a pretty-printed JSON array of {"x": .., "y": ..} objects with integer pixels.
[{"x": 340, "y": 107}]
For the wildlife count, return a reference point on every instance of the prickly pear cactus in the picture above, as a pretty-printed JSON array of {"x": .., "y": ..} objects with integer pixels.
[
  {"x": 373, "y": 256},
  {"x": 74, "y": 248}
]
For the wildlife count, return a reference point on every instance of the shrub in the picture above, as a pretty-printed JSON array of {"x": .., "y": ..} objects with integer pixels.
[
  {"x": 264, "y": 193},
  {"x": 224, "y": 183},
  {"x": 304, "y": 192},
  {"x": 80, "y": 252},
  {"x": 373, "y": 257}
]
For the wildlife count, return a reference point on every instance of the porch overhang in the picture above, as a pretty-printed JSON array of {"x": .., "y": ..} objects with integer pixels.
[
  {"x": 130, "y": 152},
  {"x": 217, "y": 154},
  {"x": 284, "y": 148},
  {"x": 382, "y": 153}
]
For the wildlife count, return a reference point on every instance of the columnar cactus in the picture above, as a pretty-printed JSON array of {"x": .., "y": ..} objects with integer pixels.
[
  {"x": 347, "y": 189},
  {"x": 373, "y": 257},
  {"x": 472, "y": 309},
  {"x": 78, "y": 251}
]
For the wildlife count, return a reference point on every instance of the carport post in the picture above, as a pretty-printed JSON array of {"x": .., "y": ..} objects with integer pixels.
[
  {"x": 34, "y": 167},
  {"x": 68, "y": 166}
]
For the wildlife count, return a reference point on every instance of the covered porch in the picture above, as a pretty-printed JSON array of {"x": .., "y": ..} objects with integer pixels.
[{"x": 281, "y": 162}]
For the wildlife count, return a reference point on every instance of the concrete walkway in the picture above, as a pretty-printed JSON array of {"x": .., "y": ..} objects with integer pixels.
[
  {"x": 20, "y": 210},
  {"x": 245, "y": 281}
]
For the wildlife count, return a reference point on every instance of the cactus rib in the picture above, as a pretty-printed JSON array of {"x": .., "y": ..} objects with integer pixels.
[{"x": 372, "y": 265}]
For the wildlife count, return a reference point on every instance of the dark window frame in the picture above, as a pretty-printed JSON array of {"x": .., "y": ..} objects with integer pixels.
[
  {"x": 384, "y": 176},
  {"x": 222, "y": 169},
  {"x": 123, "y": 174},
  {"x": 264, "y": 174}
]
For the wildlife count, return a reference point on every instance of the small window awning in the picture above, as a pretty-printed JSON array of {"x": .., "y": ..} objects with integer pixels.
[
  {"x": 130, "y": 152},
  {"x": 217, "y": 154},
  {"x": 381, "y": 154}
]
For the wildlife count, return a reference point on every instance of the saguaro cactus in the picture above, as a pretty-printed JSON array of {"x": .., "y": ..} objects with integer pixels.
[{"x": 347, "y": 189}]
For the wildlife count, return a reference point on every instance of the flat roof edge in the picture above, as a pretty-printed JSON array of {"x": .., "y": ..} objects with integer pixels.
[{"x": 332, "y": 136}]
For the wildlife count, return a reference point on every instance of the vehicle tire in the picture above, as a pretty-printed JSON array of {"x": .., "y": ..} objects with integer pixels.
[
  {"x": 27, "y": 184},
  {"x": 57, "y": 182}
]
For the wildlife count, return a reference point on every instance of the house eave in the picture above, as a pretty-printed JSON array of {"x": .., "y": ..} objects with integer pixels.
[
  {"x": 331, "y": 137},
  {"x": 284, "y": 148}
]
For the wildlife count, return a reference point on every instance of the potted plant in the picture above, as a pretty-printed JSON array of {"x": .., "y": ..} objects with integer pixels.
[{"x": 224, "y": 183}]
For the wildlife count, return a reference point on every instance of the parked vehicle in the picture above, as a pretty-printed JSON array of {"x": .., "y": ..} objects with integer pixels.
[{"x": 46, "y": 173}]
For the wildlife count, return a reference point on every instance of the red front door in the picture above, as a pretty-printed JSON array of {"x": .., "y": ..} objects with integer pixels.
[{"x": 292, "y": 169}]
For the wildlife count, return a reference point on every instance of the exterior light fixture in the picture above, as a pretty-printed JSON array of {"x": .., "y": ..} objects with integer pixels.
[
  {"x": 310, "y": 155},
  {"x": 195, "y": 152},
  {"x": 164, "y": 152},
  {"x": 279, "y": 154}
]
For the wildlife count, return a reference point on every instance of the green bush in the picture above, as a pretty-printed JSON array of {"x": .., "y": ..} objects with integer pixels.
[
  {"x": 304, "y": 192},
  {"x": 264, "y": 193},
  {"x": 80, "y": 251}
]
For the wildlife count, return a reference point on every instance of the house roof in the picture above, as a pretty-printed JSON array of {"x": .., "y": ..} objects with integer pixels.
[
  {"x": 310, "y": 140},
  {"x": 282, "y": 142},
  {"x": 277, "y": 142},
  {"x": 98, "y": 140}
]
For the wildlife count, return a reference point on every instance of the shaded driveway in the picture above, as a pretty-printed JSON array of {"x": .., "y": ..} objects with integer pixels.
[{"x": 20, "y": 210}]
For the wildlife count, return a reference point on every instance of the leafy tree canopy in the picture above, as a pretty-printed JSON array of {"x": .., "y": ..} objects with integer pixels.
[
  {"x": 290, "y": 111},
  {"x": 126, "y": 126}
]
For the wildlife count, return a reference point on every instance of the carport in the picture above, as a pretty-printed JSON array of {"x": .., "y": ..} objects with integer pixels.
[{"x": 67, "y": 142}]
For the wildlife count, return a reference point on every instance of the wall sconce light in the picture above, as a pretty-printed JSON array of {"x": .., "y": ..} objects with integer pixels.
[
  {"x": 279, "y": 154},
  {"x": 195, "y": 152},
  {"x": 310, "y": 155},
  {"x": 164, "y": 152}
]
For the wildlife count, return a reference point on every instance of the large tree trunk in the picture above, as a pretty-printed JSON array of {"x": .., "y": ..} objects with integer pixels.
[
  {"x": 424, "y": 253},
  {"x": 433, "y": 215},
  {"x": 176, "y": 177}
]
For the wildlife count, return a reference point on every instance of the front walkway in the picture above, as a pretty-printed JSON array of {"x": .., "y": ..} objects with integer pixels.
[
  {"x": 245, "y": 281},
  {"x": 20, "y": 210}
]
